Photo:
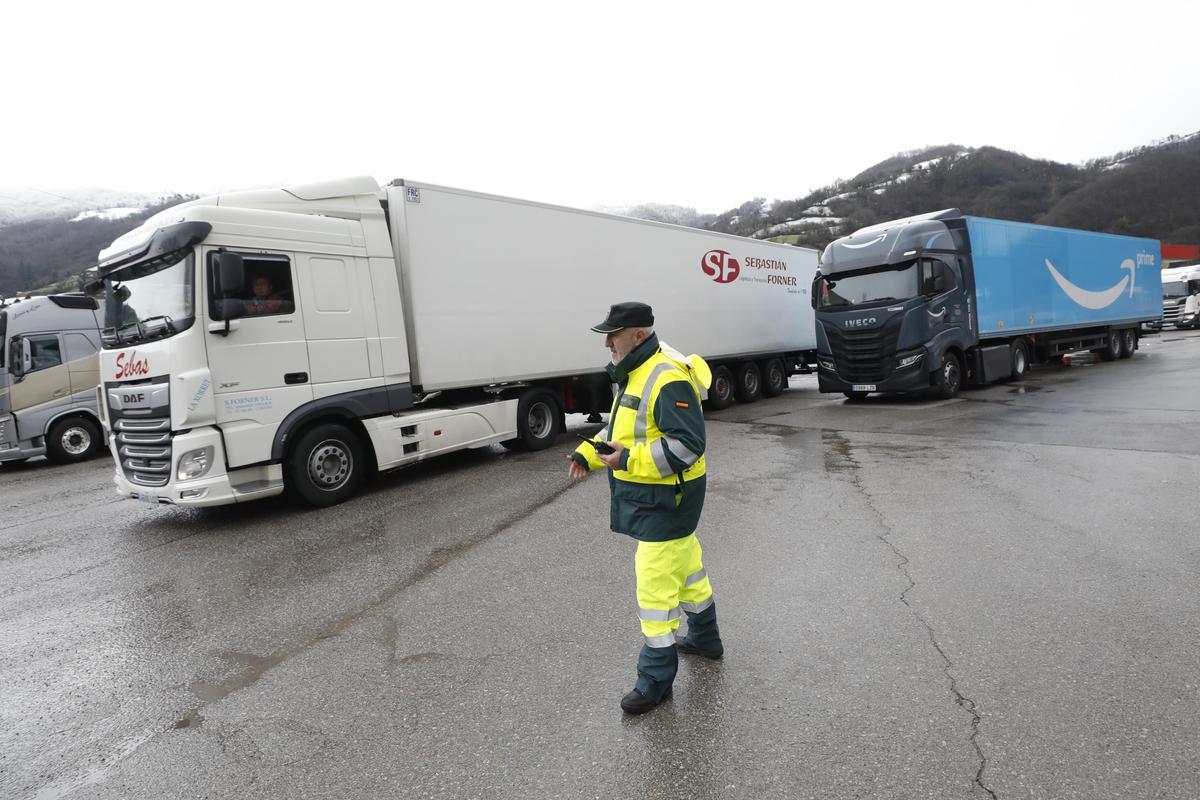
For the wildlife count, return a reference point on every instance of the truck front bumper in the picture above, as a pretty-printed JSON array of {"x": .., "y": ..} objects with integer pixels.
[
  {"x": 216, "y": 487},
  {"x": 905, "y": 379}
]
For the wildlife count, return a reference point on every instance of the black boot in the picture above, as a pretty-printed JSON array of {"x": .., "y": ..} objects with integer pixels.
[
  {"x": 637, "y": 703},
  {"x": 703, "y": 637}
]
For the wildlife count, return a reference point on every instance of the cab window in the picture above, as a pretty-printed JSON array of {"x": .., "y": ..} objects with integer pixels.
[
  {"x": 267, "y": 286},
  {"x": 44, "y": 352},
  {"x": 936, "y": 277}
]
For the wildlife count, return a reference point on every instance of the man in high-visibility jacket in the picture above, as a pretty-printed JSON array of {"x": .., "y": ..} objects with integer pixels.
[{"x": 656, "y": 476}]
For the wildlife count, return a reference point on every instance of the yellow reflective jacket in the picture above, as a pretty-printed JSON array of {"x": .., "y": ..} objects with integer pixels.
[{"x": 658, "y": 491}]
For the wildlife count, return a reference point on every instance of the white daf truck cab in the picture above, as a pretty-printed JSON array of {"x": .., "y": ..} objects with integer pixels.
[
  {"x": 49, "y": 370},
  {"x": 303, "y": 338}
]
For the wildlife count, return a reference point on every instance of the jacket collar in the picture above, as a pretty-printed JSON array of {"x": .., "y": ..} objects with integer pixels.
[{"x": 619, "y": 373}]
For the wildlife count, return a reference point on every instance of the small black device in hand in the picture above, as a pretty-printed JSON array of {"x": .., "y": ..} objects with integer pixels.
[{"x": 601, "y": 447}]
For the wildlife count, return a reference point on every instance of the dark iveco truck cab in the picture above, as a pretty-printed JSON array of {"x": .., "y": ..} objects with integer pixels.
[{"x": 935, "y": 301}]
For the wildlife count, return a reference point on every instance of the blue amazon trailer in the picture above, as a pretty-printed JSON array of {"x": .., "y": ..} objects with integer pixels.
[{"x": 938, "y": 300}]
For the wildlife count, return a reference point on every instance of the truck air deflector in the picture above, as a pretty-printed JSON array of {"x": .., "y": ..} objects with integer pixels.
[
  {"x": 165, "y": 240},
  {"x": 893, "y": 243}
]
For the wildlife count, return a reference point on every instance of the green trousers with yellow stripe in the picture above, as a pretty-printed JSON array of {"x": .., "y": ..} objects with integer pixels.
[{"x": 671, "y": 580}]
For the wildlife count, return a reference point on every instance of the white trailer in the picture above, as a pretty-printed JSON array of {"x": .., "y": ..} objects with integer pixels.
[{"x": 305, "y": 337}]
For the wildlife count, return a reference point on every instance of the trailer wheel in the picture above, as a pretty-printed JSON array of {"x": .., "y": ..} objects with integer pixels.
[
  {"x": 748, "y": 382},
  {"x": 949, "y": 377},
  {"x": 1020, "y": 360},
  {"x": 1112, "y": 349},
  {"x": 539, "y": 421},
  {"x": 326, "y": 465},
  {"x": 774, "y": 378},
  {"x": 72, "y": 440},
  {"x": 1128, "y": 342},
  {"x": 720, "y": 393}
]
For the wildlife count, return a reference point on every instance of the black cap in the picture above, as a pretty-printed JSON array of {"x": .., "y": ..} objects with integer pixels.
[{"x": 626, "y": 315}]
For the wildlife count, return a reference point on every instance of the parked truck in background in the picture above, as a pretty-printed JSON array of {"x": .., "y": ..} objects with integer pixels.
[
  {"x": 1181, "y": 297},
  {"x": 300, "y": 338},
  {"x": 49, "y": 370},
  {"x": 938, "y": 300}
]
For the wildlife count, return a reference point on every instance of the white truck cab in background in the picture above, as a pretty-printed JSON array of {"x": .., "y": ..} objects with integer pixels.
[
  {"x": 49, "y": 369},
  {"x": 1181, "y": 297},
  {"x": 306, "y": 337}
]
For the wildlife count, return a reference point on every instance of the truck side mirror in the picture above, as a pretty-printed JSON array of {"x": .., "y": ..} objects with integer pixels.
[
  {"x": 230, "y": 274},
  {"x": 20, "y": 357}
]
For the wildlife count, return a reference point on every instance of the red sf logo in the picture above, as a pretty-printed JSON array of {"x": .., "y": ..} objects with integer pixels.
[
  {"x": 128, "y": 367},
  {"x": 722, "y": 267}
]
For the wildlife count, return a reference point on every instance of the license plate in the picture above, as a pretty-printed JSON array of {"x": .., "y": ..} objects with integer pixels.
[
  {"x": 863, "y": 387},
  {"x": 148, "y": 498}
]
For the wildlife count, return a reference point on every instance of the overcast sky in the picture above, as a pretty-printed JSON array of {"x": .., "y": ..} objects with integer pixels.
[{"x": 602, "y": 103}]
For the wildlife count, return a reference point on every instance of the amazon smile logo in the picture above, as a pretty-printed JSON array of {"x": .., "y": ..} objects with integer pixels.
[{"x": 1096, "y": 300}]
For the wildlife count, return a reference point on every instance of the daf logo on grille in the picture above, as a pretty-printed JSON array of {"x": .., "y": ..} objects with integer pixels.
[{"x": 859, "y": 323}]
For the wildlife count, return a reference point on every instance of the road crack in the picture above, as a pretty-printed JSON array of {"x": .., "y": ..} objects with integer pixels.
[{"x": 840, "y": 459}]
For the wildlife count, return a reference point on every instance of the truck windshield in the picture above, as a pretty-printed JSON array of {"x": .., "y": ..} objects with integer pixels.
[
  {"x": 1175, "y": 289},
  {"x": 885, "y": 285},
  {"x": 149, "y": 300}
]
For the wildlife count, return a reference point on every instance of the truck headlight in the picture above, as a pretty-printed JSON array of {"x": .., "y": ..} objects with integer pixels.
[
  {"x": 826, "y": 363},
  {"x": 908, "y": 361},
  {"x": 195, "y": 463}
]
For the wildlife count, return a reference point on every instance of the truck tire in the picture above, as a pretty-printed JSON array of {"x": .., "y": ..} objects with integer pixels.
[
  {"x": 1112, "y": 350},
  {"x": 72, "y": 439},
  {"x": 326, "y": 465},
  {"x": 720, "y": 393},
  {"x": 949, "y": 377},
  {"x": 1020, "y": 360},
  {"x": 774, "y": 377},
  {"x": 539, "y": 420},
  {"x": 1128, "y": 342},
  {"x": 748, "y": 382}
]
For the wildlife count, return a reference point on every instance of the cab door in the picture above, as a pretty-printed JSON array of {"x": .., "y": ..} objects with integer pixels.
[
  {"x": 44, "y": 388},
  {"x": 259, "y": 367}
]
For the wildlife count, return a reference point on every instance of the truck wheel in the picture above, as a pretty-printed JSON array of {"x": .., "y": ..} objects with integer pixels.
[
  {"x": 1128, "y": 342},
  {"x": 71, "y": 440},
  {"x": 1020, "y": 360},
  {"x": 1112, "y": 350},
  {"x": 949, "y": 377},
  {"x": 748, "y": 382},
  {"x": 326, "y": 465},
  {"x": 720, "y": 393},
  {"x": 774, "y": 378},
  {"x": 539, "y": 421}
]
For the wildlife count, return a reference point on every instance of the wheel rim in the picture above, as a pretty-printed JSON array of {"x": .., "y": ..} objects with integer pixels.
[
  {"x": 722, "y": 387},
  {"x": 751, "y": 382},
  {"x": 76, "y": 440},
  {"x": 1114, "y": 342},
  {"x": 1020, "y": 361},
  {"x": 330, "y": 464},
  {"x": 540, "y": 420},
  {"x": 1129, "y": 341},
  {"x": 950, "y": 374},
  {"x": 775, "y": 376}
]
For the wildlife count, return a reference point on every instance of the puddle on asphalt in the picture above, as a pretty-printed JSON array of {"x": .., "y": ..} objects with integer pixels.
[
  {"x": 1026, "y": 389},
  {"x": 838, "y": 459}
]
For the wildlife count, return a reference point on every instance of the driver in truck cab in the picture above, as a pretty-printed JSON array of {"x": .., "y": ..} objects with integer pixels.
[{"x": 265, "y": 299}]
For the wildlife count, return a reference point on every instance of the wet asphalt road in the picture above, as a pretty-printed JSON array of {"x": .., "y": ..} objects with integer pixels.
[{"x": 989, "y": 597}]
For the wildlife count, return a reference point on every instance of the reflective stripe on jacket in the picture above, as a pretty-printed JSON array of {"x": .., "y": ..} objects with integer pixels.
[{"x": 658, "y": 492}]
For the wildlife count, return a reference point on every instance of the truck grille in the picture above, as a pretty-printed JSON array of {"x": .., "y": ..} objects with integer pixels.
[
  {"x": 144, "y": 447},
  {"x": 1172, "y": 312},
  {"x": 864, "y": 356}
]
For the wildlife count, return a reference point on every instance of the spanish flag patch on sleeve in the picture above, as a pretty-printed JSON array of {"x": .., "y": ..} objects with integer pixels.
[{"x": 682, "y": 404}]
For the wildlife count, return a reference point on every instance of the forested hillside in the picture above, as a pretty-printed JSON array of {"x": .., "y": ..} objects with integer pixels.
[{"x": 36, "y": 253}]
